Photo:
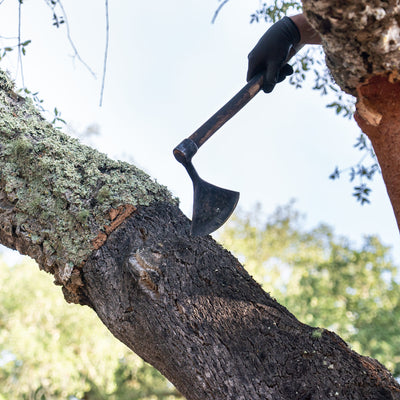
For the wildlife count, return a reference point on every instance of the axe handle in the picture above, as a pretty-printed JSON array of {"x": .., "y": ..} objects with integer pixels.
[
  {"x": 226, "y": 112},
  {"x": 234, "y": 105},
  {"x": 189, "y": 146}
]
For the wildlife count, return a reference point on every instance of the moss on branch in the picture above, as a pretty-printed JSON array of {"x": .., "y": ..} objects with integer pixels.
[{"x": 63, "y": 193}]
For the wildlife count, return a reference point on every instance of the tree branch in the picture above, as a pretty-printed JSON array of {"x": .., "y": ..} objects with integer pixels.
[
  {"x": 218, "y": 10},
  {"x": 19, "y": 63},
  {"x": 105, "y": 53},
  {"x": 76, "y": 53}
]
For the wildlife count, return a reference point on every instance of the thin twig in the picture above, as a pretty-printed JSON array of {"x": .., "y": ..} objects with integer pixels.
[
  {"x": 218, "y": 10},
  {"x": 72, "y": 42},
  {"x": 19, "y": 63},
  {"x": 105, "y": 55},
  {"x": 8, "y": 37}
]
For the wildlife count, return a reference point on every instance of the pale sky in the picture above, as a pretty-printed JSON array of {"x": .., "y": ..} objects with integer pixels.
[{"x": 169, "y": 69}]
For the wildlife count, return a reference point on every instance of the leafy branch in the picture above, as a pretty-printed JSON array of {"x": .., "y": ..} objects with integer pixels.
[
  {"x": 364, "y": 171},
  {"x": 275, "y": 11}
]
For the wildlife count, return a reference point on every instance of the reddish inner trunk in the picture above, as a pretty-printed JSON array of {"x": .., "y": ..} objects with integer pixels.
[{"x": 378, "y": 115}]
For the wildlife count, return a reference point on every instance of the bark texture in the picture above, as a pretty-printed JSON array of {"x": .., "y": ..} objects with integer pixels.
[
  {"x": 360, "y": 38},
  {"x": 190, "y": 309},
  {"x": 59, "y": 200},
  {"x": 378, "y": 116},
  {"x": 184, "y": 304}
]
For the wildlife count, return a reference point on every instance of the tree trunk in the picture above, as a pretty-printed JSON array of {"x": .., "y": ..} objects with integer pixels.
[
  {"x": 117, "y": 242},
  {"x": 362, "y": 46}
]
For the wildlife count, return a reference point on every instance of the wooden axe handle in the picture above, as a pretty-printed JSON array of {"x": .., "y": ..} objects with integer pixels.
[
  {"x": 234, "y": 105},
  {"x": 189, "y": 146},
  {"x": 226, "y": 112}
]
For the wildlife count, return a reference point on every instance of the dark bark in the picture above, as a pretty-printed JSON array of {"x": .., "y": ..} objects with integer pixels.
[{"x": 190, "y": 309}]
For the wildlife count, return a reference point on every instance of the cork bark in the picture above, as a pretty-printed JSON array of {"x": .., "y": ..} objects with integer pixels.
[
  {"x": 361, "y": 40},
  {"x": 378, "y": 116},
  {"x": 189, "y": 308}
]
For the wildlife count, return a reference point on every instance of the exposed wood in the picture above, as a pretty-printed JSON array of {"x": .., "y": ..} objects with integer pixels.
[{"x": 380, "y": 96}]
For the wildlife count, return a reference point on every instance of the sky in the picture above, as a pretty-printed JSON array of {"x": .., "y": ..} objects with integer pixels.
[{"x": 169, "y": 69}]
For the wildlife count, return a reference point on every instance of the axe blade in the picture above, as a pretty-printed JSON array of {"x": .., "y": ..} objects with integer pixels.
[{"x": 212, "y": 207}]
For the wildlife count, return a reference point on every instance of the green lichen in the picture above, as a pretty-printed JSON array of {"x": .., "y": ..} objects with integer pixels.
[
  {"x": 83, "y": 216},
  {"x": 62, "y": 190},
  {"x": 317, "y": 333},
  {"x": 103, "y": 194},
  {"x": 5, "y": 82}
]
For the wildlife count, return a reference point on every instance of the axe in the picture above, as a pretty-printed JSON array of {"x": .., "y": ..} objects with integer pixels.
[{"x": 212, "y": 205}]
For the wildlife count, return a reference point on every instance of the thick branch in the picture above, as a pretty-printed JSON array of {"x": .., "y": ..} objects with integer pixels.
[
  {"x": 189, "y": 308},
  {"x": 362, "y": 44},
  {"x": 377, "y": 115},
  {"x": 59, "y": 200}
]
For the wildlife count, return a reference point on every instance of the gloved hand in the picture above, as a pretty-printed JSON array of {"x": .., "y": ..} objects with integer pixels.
[{"x": 271, "y": 52}]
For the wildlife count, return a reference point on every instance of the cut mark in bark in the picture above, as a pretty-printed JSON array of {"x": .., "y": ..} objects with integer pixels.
[
  {"x": 380, "y": 92},
  {"x": 117, "y": 217},
  {"x": 144, "y": 264}
]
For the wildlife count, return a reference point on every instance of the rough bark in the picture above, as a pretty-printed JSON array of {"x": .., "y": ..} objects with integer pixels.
[
  {"x": 189, "y": 308},
  {"x": 361, "y": 40},
  {"x": 59, "y": 200}
]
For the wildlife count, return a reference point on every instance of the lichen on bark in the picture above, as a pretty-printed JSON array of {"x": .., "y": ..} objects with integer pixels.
[{"x": 63, "y": 194}]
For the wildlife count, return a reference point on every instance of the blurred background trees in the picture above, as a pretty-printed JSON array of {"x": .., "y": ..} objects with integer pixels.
[{"x": 51, "y": 350}]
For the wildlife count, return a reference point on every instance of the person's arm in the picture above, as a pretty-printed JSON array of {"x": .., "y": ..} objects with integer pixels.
[
  {"x": 277, "y": 46},
  {"x": 307, "y": 33}
]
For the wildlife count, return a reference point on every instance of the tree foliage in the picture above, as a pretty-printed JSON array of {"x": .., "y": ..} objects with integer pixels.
[
  {"x": 325, "y": 280},
  {"x": 50, "y": 350}
]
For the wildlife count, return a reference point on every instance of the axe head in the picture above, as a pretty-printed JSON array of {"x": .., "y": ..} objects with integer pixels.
[{"x": 212, "y": 205}]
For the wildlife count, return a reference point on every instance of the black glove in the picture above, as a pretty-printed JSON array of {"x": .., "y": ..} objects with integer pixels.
[{"x": 271, "y": 52}]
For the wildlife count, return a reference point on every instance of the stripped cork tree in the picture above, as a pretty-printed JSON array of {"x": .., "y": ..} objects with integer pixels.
[
  {"x": 361, "y": 40},
  {"x": 117, "y": 242}
]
